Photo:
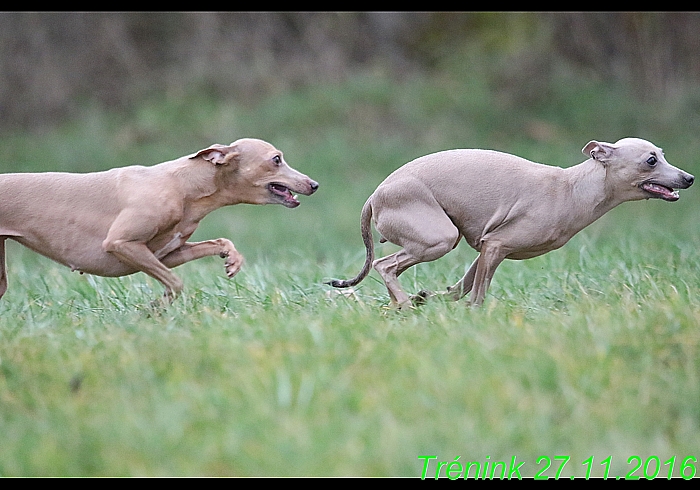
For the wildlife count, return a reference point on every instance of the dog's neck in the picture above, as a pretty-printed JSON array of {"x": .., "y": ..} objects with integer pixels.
[
  {"x": 591, "y": 191},
  {"x": 203, "y": 192}
]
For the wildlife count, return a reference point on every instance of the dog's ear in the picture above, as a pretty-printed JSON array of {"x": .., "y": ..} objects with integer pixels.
[
  {"x": 217, "y": 154},
  {"x": 601, "y": 152}
]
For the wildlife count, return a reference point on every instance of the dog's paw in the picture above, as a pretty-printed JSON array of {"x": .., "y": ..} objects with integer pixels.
[
  {"x": 421, "y": 297},
  {"x": 233, "y": 264}
]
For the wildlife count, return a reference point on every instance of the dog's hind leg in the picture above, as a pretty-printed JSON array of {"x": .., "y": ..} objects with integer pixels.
[
  {"x": 390, "y": 267},
  {"x": 423, "y": 240}
]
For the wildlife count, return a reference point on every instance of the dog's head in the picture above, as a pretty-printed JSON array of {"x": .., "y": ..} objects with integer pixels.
[
  {"x": 641, "y": 165},
  {"x": 257, "y": 172}
]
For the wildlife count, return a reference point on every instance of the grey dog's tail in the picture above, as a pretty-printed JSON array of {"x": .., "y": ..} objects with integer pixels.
[{"x": 366, "y": 228}]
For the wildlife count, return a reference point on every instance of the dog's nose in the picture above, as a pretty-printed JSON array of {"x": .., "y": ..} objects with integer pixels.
[
  {"x": 314, "y": 186},
  {"x": 689, "y": 179}
]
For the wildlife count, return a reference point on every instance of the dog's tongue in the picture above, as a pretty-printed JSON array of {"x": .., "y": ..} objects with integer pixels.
[
  {"x": 289, "y": 198},
  {"x": 661, "y": 191}
]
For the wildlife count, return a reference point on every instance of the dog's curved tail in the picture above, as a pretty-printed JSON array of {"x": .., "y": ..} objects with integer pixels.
[{"x": 366, "y": 229}]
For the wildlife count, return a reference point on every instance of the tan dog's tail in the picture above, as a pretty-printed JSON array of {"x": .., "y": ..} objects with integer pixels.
[{"x": 366, "y": 228}]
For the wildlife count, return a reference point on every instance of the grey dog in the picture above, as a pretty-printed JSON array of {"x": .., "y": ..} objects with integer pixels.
[{"x": 504, "y": 206}]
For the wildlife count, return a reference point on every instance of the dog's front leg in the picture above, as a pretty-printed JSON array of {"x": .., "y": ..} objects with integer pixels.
[
  {"x": 139, "y": 256},
  {"x": 464, "y": 285},
  {"x": 191, "y": 251},
  {"x": 492, "y": 254},
  {"x": 127, "y": 240}
]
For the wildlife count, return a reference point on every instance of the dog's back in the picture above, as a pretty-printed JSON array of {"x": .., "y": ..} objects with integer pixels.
[
  {"x": 477, "y": 189},
  {"x": 52, "y": 213}
]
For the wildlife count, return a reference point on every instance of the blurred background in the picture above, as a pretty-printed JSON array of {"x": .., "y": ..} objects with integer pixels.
[
  {"x": 53, "y": 63},
  {"x": 348, "y": 97}
]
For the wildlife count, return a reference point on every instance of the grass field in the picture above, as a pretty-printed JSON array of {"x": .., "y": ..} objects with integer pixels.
[{"x": 591, "y": 350}]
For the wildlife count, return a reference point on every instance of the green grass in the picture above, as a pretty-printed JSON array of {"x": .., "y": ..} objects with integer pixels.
[
  {"x": 267, "y": 375},
  {"x": 593, "y": 349}
]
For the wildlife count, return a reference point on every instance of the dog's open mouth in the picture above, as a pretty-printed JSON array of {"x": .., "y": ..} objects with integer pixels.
[
  {"x": 660, "y": 191},
  {"x": 283, "y": 194}
]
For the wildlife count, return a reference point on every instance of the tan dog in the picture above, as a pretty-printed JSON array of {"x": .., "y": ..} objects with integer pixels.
[
  {"x": 505, "y": 207},
  {"x": 130, "y": 219}
]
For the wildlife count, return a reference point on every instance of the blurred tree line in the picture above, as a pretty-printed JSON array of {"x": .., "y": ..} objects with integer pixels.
[{"x": 51, "y": 63}]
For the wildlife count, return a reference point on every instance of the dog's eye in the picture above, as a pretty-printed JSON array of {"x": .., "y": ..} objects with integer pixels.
[
  {"x": 276, "y": 160},
  {"x": 652, "y": 160}
]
